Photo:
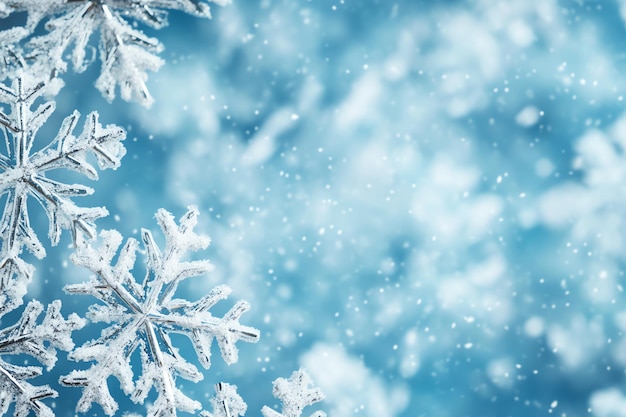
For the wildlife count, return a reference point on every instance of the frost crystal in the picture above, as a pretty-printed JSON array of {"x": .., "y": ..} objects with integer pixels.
[
  {"x": 23, "y": 174},
  {"x": 226, "y": 402},
  {"x": 126, "y": 53},
  {"x": 295, "y": 393},
  {"x": 143, "y": 314},
  {"x": 39, "y": 341}
]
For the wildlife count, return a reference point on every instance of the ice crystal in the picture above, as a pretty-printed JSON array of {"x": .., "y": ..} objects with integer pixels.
[
  {"x": 295, "y": 393},
  {"x": 126, "y": 53},
  {"x": 23, "y": 174},
  {"x": 226, "y": 402},
  {"x": 143, "y": 314},
  {"x": 39, "y": 341}
]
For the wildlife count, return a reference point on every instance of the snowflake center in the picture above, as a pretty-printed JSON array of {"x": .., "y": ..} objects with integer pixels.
[{"x": 21, "y": 173}]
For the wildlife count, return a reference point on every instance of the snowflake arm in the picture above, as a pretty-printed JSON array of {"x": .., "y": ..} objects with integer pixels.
[
  {"x": 14, "y": 277},
  {"x": 11, "y": 54},
  {"x": 226, "y": 402},
  {"x": 143, "y": 315},
  {"x": 39, "y": 341},
  {"x": 154, "y": 12},
  {"x": 295, "y": 393},
  {"x": 126, "y": 53}
]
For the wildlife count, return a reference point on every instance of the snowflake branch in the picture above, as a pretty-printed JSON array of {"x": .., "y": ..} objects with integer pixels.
[
  {"x": 40, "y": 342},
  {"x": 295, "y": 393},
  {"x": 126, "y": 54}
]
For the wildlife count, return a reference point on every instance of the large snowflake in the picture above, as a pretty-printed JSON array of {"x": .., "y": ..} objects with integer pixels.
[
  {"x": 143, "y": 315},
  {"x": 40, "y": 342},
  {"x": 125, "y": 52},
  {"x": 23, "y": 173}
]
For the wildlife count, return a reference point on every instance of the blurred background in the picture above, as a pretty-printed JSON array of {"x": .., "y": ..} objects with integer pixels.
[{"x": 424, "y": 201}]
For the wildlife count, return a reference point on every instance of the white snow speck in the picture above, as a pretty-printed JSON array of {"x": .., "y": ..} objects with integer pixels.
[{"x": 528, "y": 117}]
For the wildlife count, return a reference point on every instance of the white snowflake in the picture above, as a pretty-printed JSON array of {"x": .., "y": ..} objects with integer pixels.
[
  {"x": 23, "y": 174},
  {"x": 295, "y": 393},
  {"x": 125, "y": 52},
  {"x": 38, "y": 341},
  {"x": 143, "y": 314}
]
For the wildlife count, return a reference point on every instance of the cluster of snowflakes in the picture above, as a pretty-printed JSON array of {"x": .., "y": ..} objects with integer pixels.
[{"x": 139, "y": 314}]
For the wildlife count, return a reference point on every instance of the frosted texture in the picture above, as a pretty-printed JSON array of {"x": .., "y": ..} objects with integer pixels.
[
  {"x": 143, "y": 313},
  {"x": 125, "y": 53},
  {"x": 39, "y": 341},
  {"x": 23, "y": 175},
  {"x": 295, "y": 393}
]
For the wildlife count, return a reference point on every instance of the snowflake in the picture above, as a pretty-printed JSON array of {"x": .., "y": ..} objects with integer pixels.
[
  {"x": 39, "y": 341},
  {"x": 295, "y": 393},
  {"x": 126, "y": 53},
  {"x": 23, "y": 174},
  {"x": 144, "y": 314}
]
